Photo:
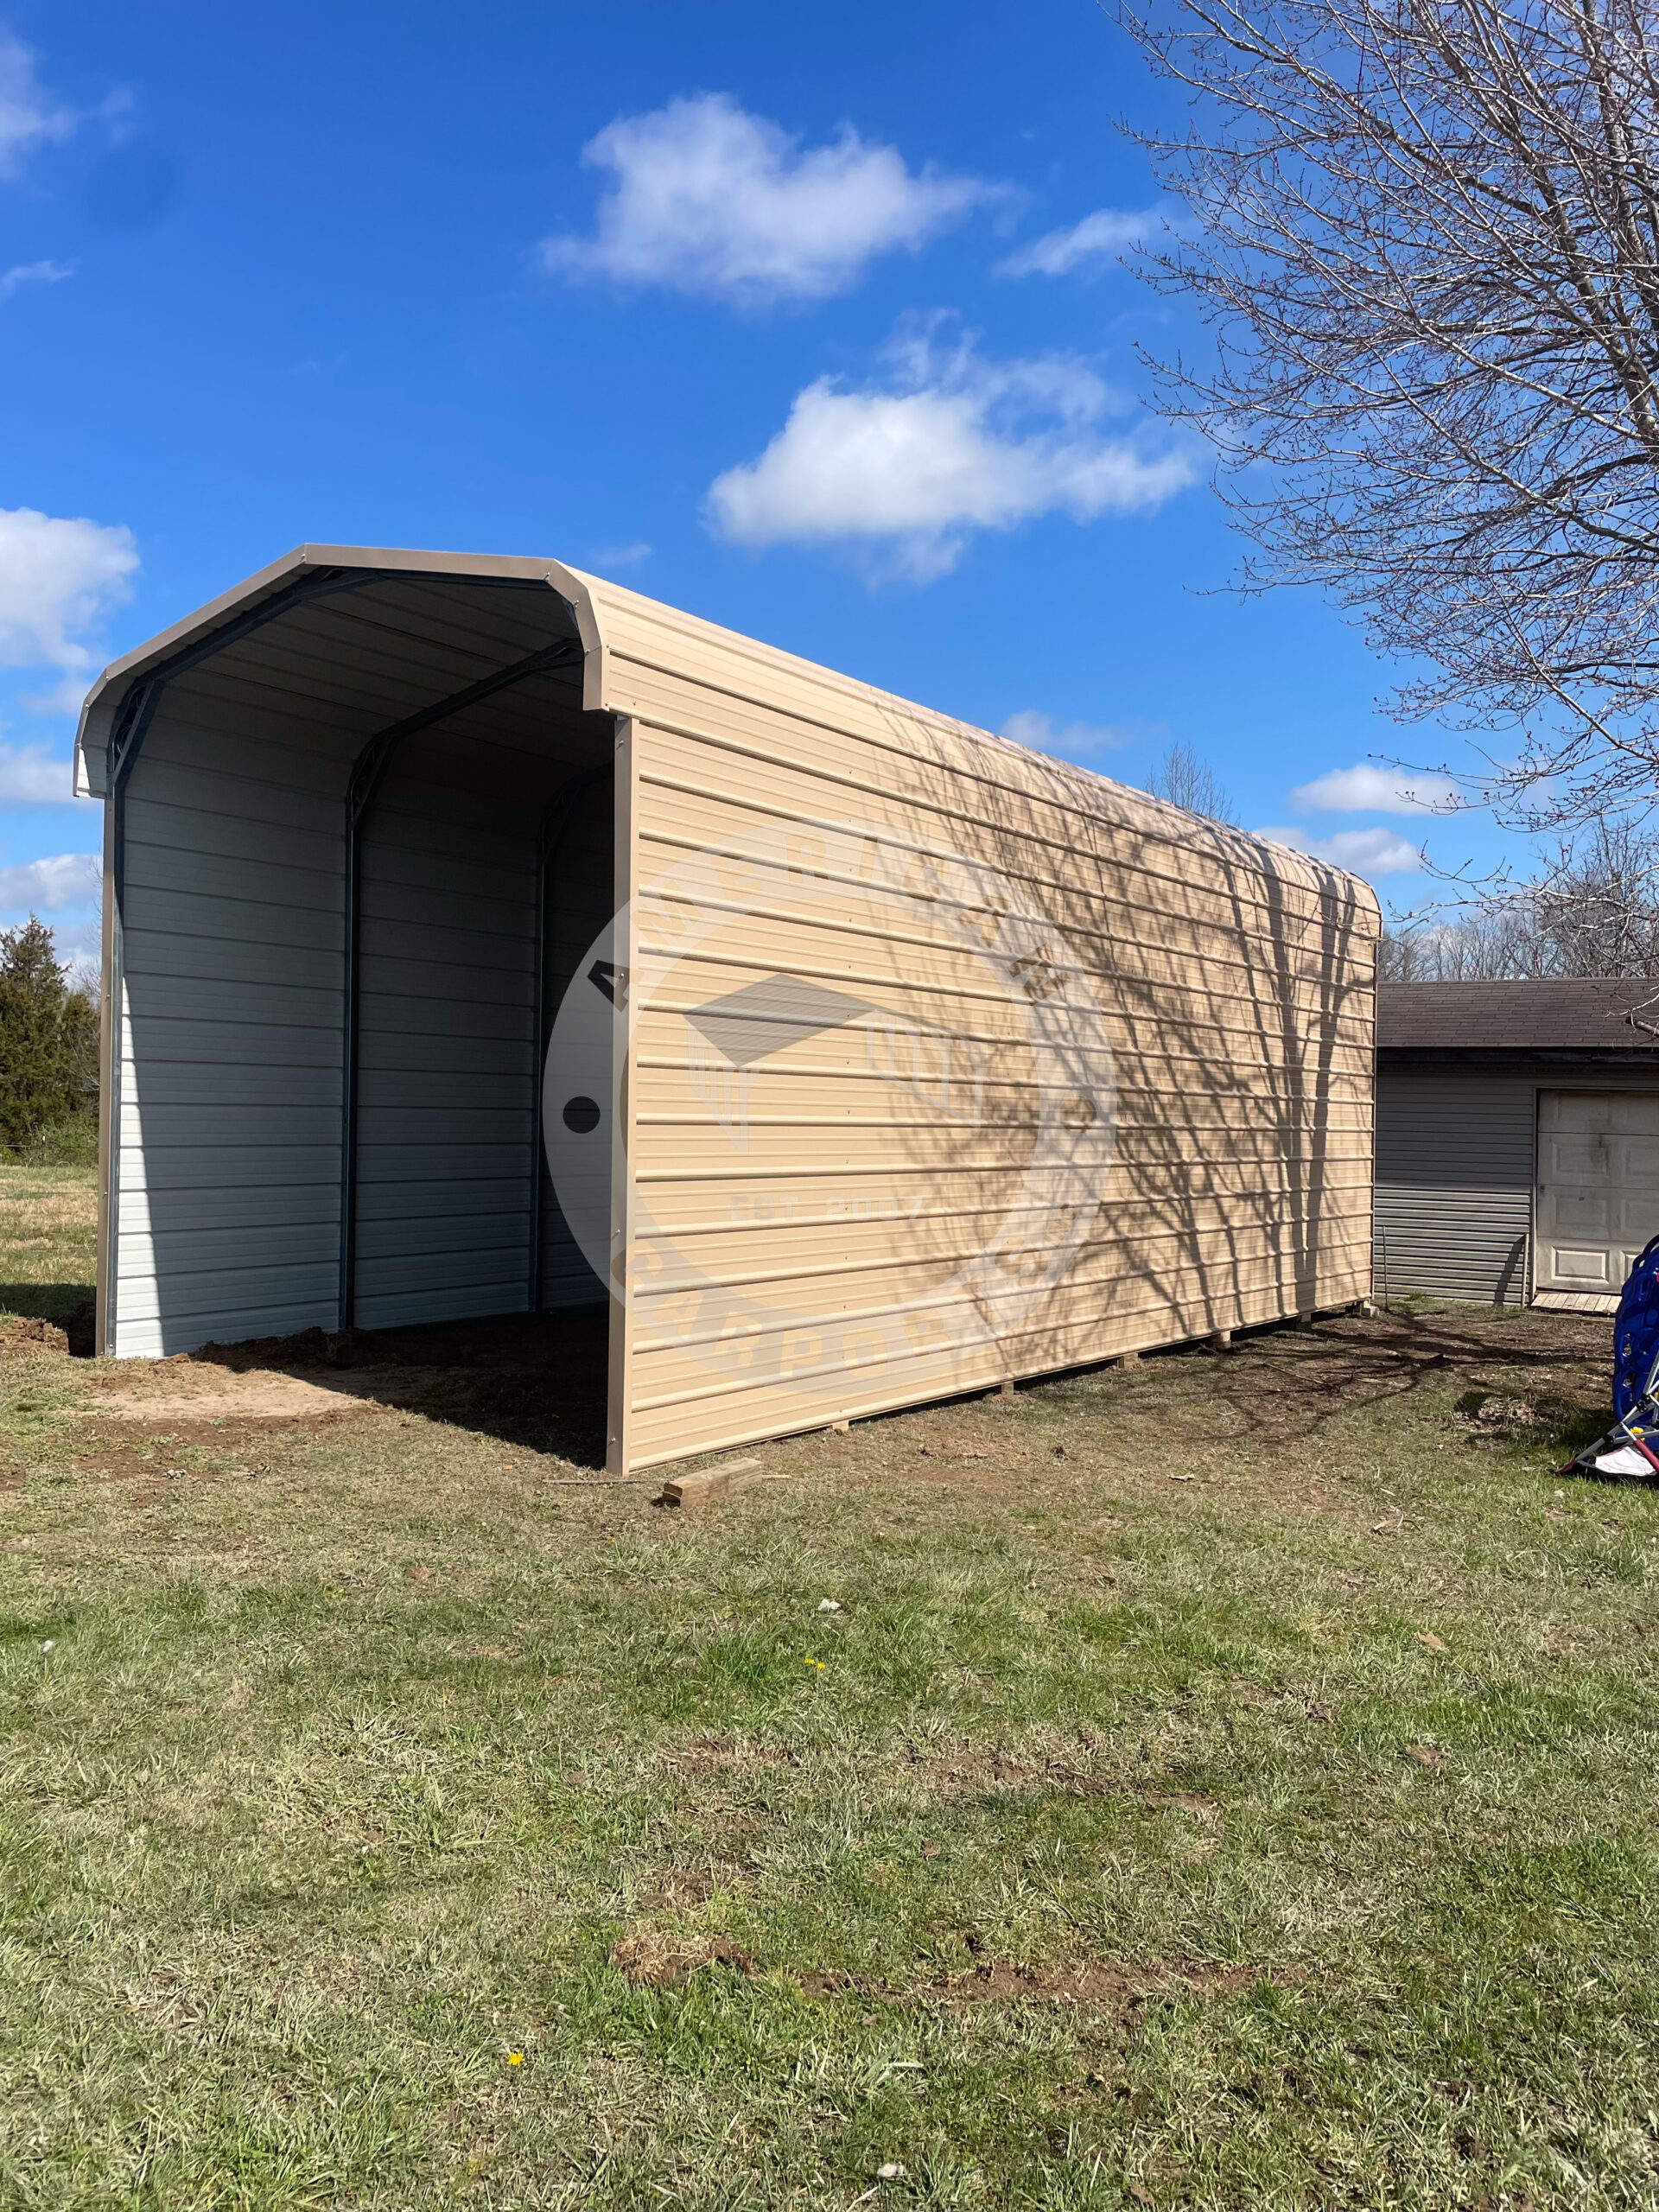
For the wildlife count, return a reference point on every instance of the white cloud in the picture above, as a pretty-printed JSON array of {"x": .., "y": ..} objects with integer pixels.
[
  {"x": 29, "y": 118},
  {"x": 1103, "y": 236},
  {"x": 1367, "y": 852},
  {"x": 68, "y": 880},
  {"x": 621, "y": 556},
  {"x": 57, "y": 575},
  {"x": 1366, "y": 789},
  {"x": 706, "y": 198},
  {"x": 952, "y": 444},
  {"x": 1043, "y": 735},
  {"x": 33, "y": 775},
  {"x": 34, "y": 273}
]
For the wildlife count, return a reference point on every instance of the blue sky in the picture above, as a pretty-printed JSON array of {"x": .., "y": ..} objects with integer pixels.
[{"x": 810, "y": 321}]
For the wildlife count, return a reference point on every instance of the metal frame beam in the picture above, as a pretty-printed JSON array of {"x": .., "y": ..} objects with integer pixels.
[{"x": 554, "y": 822}]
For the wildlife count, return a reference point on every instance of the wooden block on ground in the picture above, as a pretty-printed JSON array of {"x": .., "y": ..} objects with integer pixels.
[
  {"x": 1129, "y": 1358},
  {"x": 706, "y": 1486},
  {"x": 1220, "y": 1339}
]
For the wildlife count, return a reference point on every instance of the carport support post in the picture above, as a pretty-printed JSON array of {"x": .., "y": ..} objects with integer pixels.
[{"x": 619, "y": 1382}]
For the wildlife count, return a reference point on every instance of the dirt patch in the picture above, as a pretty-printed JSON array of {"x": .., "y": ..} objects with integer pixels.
[
  {"x": 725, "y": 1755},
  {"x": 651, "y": 1960},
  {"x": 1284, "y": 1385},
  {"x": 683, "y": 1889},
  {"x": 1101, "y": 1984},
  {"x": 119, "y": 1451},
  {"x": 178, "y": 1390},
  {"x": 26, "y": 1337},
  {"x": 537, "y": 1381}
]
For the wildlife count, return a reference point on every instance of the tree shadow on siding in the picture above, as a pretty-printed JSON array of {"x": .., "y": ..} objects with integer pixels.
[{"x": 1235, "y": 981}]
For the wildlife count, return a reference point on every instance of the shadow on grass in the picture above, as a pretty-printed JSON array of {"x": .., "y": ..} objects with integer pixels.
[
  {"x": 537, "y": 1381},
  {"x": 70, "y": 1305}
]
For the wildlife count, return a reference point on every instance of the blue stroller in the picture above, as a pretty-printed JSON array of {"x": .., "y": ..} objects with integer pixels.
[{"x": 1630, "y": 1447}]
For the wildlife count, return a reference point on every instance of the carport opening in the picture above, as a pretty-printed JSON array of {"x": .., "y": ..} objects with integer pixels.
[{"x": 477, "y": 800}]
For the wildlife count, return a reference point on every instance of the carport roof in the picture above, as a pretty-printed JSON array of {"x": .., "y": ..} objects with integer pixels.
[{"x": 1584, "y": 1018}]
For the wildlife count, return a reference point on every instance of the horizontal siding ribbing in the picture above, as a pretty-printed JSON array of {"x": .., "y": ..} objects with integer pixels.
[
  {"x": 847, "y": 737},
  {"x": 1272, "y": 1028},
  {"x": 1117, "y": 950},
  {"x": 909, "y": 817},
  {"x": 434, "y": 947}
]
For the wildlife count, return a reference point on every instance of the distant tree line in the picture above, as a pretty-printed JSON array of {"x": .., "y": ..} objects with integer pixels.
[
  {"x": 48, "y": 1049},
  {"x": 1591, "y": 910}
]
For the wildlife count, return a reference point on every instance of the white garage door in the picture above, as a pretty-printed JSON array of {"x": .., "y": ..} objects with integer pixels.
[{"x": 1598, "y": 1187}]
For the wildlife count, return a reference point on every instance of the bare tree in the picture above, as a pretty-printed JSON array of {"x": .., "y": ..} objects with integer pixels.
[
  {"x": 1426, "y": 233},
  {"x": 1182, "y": 778},
  {"x": 1590, "y": 910}
]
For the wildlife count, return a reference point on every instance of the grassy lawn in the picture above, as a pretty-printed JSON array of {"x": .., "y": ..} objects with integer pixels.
[
  {"x": 1229, "y": 1781},
  {"x": 49, "y": 1224}
]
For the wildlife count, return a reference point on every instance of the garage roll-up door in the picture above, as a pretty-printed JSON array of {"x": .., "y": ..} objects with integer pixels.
[{"x": 1597, "y": 1186}]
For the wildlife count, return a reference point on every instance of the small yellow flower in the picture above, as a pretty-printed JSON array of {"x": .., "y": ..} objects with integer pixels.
[{"x": 515, "y": 2058}]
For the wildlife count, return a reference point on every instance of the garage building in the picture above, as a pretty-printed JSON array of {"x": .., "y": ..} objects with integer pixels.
[
  {"x": 1517, "y": 1140},
  {"x": 483, "y": 938}
]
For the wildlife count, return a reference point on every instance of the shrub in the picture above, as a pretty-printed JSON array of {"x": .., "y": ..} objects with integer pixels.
[{"x": 48, "y": 1039}]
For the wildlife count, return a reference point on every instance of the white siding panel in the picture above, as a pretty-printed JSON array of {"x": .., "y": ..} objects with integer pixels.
[
  {"x": 205, "y": 958},
  {"x": 227, "y": 1164},
  {"x": 248, "y": 1173}
]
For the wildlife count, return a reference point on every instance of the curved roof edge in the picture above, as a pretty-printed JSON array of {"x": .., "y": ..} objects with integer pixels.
[
  {"x": 592, "y": 600},
  {"x": 103, "y": 701}
]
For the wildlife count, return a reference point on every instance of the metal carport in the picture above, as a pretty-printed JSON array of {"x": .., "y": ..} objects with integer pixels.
[{"x": 910, "y": 1062}]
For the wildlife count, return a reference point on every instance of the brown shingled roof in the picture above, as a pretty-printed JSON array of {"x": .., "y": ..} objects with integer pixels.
[{"x": 1586, "y": 1014}]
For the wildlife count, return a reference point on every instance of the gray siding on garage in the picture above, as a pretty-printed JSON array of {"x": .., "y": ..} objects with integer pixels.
[{"x": 1454, "y": 1178}]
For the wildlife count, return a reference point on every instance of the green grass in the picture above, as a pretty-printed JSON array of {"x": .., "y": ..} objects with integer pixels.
[
  {"x": 48, "y": 1228},
  {"x": 344, "y": 1762}
]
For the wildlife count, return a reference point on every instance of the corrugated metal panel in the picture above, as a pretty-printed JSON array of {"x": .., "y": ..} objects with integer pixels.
[
  {"x": 228, "y": 1151},
  {"x": 227, "y": 1158},
  {"x": 1232, "y": 984},
  {"x": 434, "y": 1088},
  {"x": 1454, "y": 1178}
]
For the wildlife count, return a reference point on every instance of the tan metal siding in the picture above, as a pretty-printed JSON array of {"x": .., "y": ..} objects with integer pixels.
[{"x": 1233, "y": 981}]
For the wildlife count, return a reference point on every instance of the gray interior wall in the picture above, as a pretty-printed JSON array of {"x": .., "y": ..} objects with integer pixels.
[
  {"x": 227, "y": 1154},
  {"x": 1454, "y": 1178},
  {"x": 446, "y": 1052},
  {"x": 225, "y": 1124}
]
